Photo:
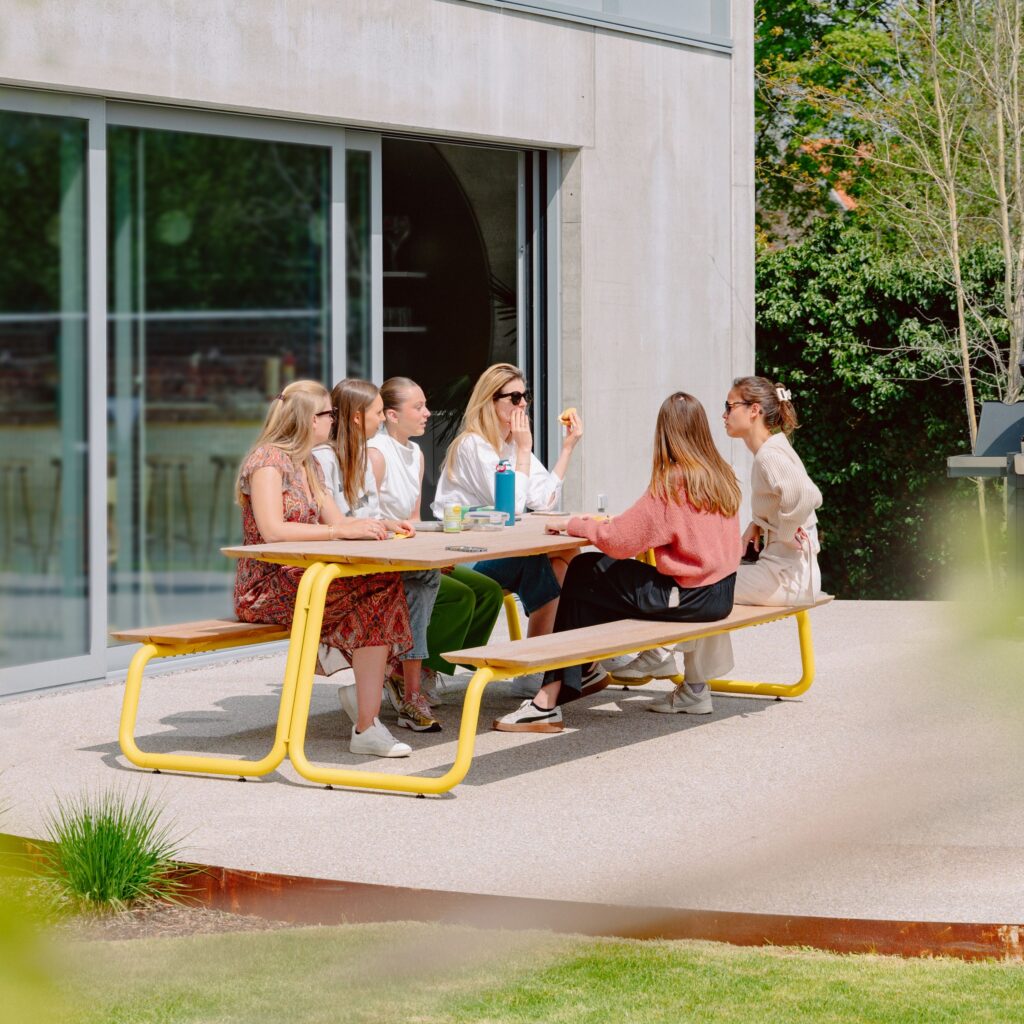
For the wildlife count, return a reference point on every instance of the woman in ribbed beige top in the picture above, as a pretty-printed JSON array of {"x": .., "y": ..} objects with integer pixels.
[{"x": 783, "y": 498}]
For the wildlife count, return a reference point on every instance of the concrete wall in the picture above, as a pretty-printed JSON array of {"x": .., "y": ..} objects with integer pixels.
[{"x": 657, "y": 197}]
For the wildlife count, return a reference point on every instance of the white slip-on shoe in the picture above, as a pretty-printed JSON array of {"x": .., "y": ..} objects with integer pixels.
[
  {"x": 527, "y": 718},
  {"x": 525, "y": 686},
  {"x": 349, "y": 704},
  {"x": 377, "y": 741},
  {"x": 683, "y": 701},
  {"x": 657, "y": 663}
]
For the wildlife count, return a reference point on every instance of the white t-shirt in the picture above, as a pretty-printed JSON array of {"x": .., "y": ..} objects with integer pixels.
[
  {"x": 367, "y": 505},
  {"x": 399, "y": 491},
  {"x": 471, "y": 481}
]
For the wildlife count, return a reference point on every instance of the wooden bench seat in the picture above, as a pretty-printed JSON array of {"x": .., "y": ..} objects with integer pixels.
[
  {"x": 205, "y": 631},
  {"x": 627, "y": 636}
]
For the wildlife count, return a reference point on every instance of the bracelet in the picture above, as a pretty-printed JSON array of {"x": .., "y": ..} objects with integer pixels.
[{"x": 330, "y": 531}]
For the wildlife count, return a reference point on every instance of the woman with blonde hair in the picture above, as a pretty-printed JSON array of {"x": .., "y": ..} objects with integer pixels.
[
  {"x": 495, "y": 428},
  {"x": 281, "y": 491},
  {"x": 359, "y": 412},
  {"x": 688, "y": 515}
]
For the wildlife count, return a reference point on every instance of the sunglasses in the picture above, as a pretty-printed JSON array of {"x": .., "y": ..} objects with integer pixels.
[
  {"x": 333, "y": 413},
  {"x": 729, "y": 406},
  {"x": 515, "y": 397}
]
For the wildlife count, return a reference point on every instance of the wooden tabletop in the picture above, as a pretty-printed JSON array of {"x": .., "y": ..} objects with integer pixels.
[{"x": 424, "y": 551}]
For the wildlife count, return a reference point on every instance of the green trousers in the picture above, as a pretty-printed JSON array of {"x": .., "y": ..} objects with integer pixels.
[{"x": 467, "y": 606}]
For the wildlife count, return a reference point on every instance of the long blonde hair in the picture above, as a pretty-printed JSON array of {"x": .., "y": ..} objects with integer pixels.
[
  {"x": 289, "y": 427},
  {"x": 480, "y": 416},
  {"x": 687, "y": 465},
  {"x": 350, "y": 396}
]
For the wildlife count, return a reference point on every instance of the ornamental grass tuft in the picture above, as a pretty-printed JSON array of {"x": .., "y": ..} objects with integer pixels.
[{"x": 110, "y": 850}]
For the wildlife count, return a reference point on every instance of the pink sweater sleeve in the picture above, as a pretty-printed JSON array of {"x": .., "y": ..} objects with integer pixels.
[{"x": 643, "y": 525}]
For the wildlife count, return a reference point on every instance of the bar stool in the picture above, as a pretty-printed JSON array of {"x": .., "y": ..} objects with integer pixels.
[
  {"x": 163, "y": 471},
  {"x": 221, "y": 502},
  {"x": 15, "y": 499}
]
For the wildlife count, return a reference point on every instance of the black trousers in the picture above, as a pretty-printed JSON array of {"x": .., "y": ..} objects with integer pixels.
[{"x": 599, "y": 589}]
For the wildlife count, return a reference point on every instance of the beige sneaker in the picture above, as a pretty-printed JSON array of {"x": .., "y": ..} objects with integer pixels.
[
  {"x": 378, "y": 742},
  {"x": 683, "y": 701},
  {"x": 415, "y": 714}
]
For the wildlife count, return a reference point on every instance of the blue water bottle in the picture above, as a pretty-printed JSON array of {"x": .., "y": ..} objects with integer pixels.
[{"x": 505, "y": 491}]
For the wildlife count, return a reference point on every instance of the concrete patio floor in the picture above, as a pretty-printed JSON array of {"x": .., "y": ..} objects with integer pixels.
[{"x": 894, "y": 788}]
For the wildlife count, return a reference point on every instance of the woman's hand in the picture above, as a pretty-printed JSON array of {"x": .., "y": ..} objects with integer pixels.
[
  {"x": 799, "y": 540},
  {"x": 556, "y": 525},
  {"x": 401, "y": 526},
  {"x": 360, "y": 529},
  {"x": 573, "y": 432},
  {"x": 522, "y": 436},
  {"x": 752, "y": 535}
]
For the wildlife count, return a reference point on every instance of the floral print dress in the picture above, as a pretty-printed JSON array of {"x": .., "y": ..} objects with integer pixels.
[{"x": 361, "y": 611}]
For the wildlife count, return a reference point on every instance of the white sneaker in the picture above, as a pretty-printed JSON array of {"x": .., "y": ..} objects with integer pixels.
[
  {"x": 613, "y": 665},
  {"x": 528, "y": 718},
  {"x": 349, "y": 704},
  {"x": 434, "y": 685},
  {"x": 525, "y": 686},
  {"x": 683, "y": 701},
  {"x": 377, "y": 741},
  {"x": 657, "y": 663}
]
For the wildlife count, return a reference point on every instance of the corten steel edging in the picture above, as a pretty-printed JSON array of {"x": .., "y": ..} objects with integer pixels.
[
  {"x": 304, "y": 900},
  {"x": 318, "y": 901}
]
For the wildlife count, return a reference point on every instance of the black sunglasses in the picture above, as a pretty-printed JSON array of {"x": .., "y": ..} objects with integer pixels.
[
  {"x": 515, "y": 397},
  {"x": 333, "y": 413},
  {"x": 729, "y": 406}
]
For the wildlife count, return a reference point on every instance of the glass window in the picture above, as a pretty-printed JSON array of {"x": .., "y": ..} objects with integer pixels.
[
  {"x": 219, "y": 291},
  {"x": 358, "y": 265},
  {"x": 682, "y": 19},
  {"x": 43, "y": 523}
]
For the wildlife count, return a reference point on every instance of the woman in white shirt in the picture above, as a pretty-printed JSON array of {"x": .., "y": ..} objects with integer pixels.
[
  {"x": 496, "y": 427},
  {"x": 347, "y": 472},
  {"x": 468, "y": 603}
]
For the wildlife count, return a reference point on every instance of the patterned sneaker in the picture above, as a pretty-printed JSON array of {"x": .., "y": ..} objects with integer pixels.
[
  {"x": 657, "y": 663},
  {"x": 682, "y": 700},
  {"x": 415, "y": 714},
  {"x": 394, "y": 691},
  {"x": 527, "y": 718}
]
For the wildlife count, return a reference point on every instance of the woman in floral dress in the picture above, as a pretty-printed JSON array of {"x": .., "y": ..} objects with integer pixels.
[{"x": 281, "y": 491}]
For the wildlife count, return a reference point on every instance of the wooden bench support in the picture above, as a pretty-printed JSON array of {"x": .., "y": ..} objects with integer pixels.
[{"x": 196, "y": 638}]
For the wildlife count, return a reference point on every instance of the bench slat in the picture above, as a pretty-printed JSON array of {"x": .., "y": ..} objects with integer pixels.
[
  {"x": 202, "y": 631},
  {"x": 590, "y": 642}
]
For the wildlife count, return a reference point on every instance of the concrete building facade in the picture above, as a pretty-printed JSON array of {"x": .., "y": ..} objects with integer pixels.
[{"x": 212, "y": 198}]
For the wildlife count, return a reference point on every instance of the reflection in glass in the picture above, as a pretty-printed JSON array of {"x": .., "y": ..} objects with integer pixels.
[
  {"x": 43, "y": 523},
  {"x": 218, "y": 297},
  {"x": 358, "y": 264}
]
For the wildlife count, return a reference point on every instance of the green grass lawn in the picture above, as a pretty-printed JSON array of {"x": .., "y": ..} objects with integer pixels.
[{"x": 425, "y": 974}]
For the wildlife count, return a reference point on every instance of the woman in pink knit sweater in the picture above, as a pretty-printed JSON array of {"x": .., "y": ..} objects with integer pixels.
[{"x": 688, "y": 515}]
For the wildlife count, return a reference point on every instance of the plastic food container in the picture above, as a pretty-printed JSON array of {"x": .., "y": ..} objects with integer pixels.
[{"x": 484, "y": 520}]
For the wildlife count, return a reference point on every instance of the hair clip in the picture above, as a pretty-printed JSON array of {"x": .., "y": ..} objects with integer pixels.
[{"x": 783, "y": 394}]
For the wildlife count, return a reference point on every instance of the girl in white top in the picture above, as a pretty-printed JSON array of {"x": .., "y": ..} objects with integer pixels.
[
  {"x": 496, "y": 426},
  {"x": 349, "y": 475},
  {"x": 468, "y": 603}
]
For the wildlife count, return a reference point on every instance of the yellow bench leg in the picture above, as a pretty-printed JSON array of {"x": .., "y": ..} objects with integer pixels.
[
  {"x": 515, "y": 629},
  {"x": 360, "y": 778},
  {"x": 205, "y": 763},
  {"x": 803, "y": 625}
]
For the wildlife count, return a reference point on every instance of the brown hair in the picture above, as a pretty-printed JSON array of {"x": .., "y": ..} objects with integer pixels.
[
  {"x": 351, "y": 396},
  {"x": 480, "y": 417},
  {"x": 687, "y": 465},
  {"x": 393, "y": 390},
  {"x": 778, "y": 413},
  {"x": 289, "y": 426}
]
